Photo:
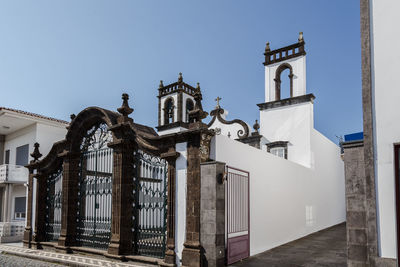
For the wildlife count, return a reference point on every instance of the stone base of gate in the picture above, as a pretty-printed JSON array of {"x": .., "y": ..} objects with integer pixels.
[
  {"x": 212, "y": 213},
  {"x": 191, "y": 257}
]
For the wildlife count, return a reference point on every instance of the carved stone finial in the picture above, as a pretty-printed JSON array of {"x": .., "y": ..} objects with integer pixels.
[
  {"x": 256, "y": 126},
  {"x": 72, "y": 116},
  {"x": 267, "y": 49},
  {"x": 180, "y": 78},
  {"x": 125, "y": 110},
  {"x": 198, "y": 87},
  {"x": 301, "y": 39},
  {"x": 161, "y": 84},
  {"x": 36, "y": 154},
  {"x": 218, "y": 99}
]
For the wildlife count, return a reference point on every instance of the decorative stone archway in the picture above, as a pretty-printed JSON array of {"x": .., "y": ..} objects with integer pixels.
[{"x": 126, "y": 139}]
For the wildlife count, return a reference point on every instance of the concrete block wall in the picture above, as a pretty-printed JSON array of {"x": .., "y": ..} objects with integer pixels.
[{"x": 212, "y": 213}]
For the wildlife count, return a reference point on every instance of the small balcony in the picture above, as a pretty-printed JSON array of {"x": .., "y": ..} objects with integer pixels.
[{"x": 13, "y": 174}]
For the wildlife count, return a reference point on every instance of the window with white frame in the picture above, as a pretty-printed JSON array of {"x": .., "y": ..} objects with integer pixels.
[
  {"x": 278, "y": 151},
  {"x": 19, "y": 208},
  {"x": 278, "y": 148}
]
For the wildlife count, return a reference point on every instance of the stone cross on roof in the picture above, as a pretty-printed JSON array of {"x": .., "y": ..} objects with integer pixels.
[{"x": 218, "y": 99}]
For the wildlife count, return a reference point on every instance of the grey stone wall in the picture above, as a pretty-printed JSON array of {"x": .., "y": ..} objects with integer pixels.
[
  {"x": 212, "y": 213},
  {"x": 361, "y": 244},
  {"x": 357, "y": 250}
]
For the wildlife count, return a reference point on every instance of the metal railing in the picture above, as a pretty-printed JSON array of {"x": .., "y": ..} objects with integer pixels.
[{"x": 13, "y": 173}]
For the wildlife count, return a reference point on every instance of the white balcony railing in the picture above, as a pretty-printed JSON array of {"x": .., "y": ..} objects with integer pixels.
[{"x": 13, "y": 173}]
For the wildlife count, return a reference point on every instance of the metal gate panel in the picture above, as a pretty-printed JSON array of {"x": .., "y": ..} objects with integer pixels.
[
  {"x": 53, "y": 205},
  {"x": 238, "y": 210},
  {"x": 95, "y": 196},
  {"x": 150, "y": 206}
]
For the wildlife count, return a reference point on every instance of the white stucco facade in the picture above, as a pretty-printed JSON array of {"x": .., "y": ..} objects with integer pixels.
[
  {"x": 287, "y": 200},
  {"x": 294, "y": 124},
  {"x": 385, "y": 95},
  {"x": 20, "y": 130},
  {"x": 180, "y": 204}
]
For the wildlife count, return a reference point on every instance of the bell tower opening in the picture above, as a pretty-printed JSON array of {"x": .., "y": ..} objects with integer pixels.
[
  {"x": 284, "y": 82},
  {"x": 189, "y": 107},
  {"x": 169, "y": 111}
]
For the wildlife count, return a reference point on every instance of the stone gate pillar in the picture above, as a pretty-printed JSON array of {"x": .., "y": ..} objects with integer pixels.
[
  {"x": 69, "y": 200},
  {"x": 39, "y": 228},
  {"x": 170, "y": 157},
  {"x": 197, "y": 151},
  {"x": 212, "y": 213},
  {"x": 122, "y": 188},
  {"x": 28, "y": 229}
]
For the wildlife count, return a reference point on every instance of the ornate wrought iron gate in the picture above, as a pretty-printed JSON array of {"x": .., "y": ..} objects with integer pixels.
[
  {"x": 53, "y": 205},
  {"x": 95, "y": 190},
  {"x": 238, "y": 223},
  {"x": 150, "y": 205}
]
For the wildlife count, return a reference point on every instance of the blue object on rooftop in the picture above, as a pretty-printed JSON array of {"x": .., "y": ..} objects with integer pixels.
[{"x": 354, "y": 137}]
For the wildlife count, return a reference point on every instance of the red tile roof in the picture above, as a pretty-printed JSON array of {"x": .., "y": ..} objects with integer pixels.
[{"x": 34, "y": 115}]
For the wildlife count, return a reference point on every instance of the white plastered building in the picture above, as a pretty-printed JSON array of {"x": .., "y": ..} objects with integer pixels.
[{"x": 19, "y": 131}]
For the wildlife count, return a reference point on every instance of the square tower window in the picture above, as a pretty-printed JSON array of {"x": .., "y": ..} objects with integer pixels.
[{"x": 278, "y": 148}]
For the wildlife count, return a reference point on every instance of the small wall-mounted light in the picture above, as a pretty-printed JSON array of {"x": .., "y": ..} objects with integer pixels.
[{"x": 221, "y": 177}]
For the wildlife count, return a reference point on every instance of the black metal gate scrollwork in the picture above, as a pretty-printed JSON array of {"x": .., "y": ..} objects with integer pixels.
[
  {"x": 53, "y": 205},
  {"x": 95, "y": 189},
  {"x": 150, "y": 205}
]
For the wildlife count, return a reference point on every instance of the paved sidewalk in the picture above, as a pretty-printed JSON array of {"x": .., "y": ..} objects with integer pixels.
[
  {"x": 17, "y": 261},
  {"x": 324, "y": 248},
  {"x": 20, "y": 257}
]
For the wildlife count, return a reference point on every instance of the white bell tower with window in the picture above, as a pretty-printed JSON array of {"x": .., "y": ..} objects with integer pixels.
[
  {"x": 175, "y": 101},
  {"x": 287, "y": 123}
]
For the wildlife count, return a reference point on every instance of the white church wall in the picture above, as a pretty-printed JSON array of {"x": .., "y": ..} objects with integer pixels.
[
  {"x": 299, "y": 79},
  {"x": 385, "y": 93},
  {"x": 290, "y": 123},
  {"x": 328, "y": 165},
  {"x": 287, "y": 200},
  {"x": 227, "y": 129},
  {"x": 180, "y": 204}
]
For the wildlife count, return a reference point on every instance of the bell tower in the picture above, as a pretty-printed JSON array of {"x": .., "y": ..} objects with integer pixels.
[
  {"x": 287, "y": 123},
  {"x": 175, "y": 101},
  {"x": 293, "y": 58}
]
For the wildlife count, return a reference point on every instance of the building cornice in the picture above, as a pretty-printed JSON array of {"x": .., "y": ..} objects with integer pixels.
[{"x": 287, "y": 102}]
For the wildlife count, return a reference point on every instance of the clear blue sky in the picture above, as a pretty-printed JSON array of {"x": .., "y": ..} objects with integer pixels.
[{"x": 58, "y": 57}]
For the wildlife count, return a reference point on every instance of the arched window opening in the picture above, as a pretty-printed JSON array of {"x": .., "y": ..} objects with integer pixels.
[
  {"x": 286, "y": 91},
  {"x": 189, "y": 107},
  {"x": 169, "y": 111},
  {"x": 284, "y": 69}
]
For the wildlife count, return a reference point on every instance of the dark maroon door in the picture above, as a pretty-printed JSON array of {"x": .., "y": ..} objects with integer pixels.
[{"x": 238, "y": 220}]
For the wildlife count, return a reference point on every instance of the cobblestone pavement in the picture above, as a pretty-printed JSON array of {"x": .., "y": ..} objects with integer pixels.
[
  {"x": 18, "y": 261},
  {"x": 11, "y": 256},
  {"x": 326, "y": 248}
]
